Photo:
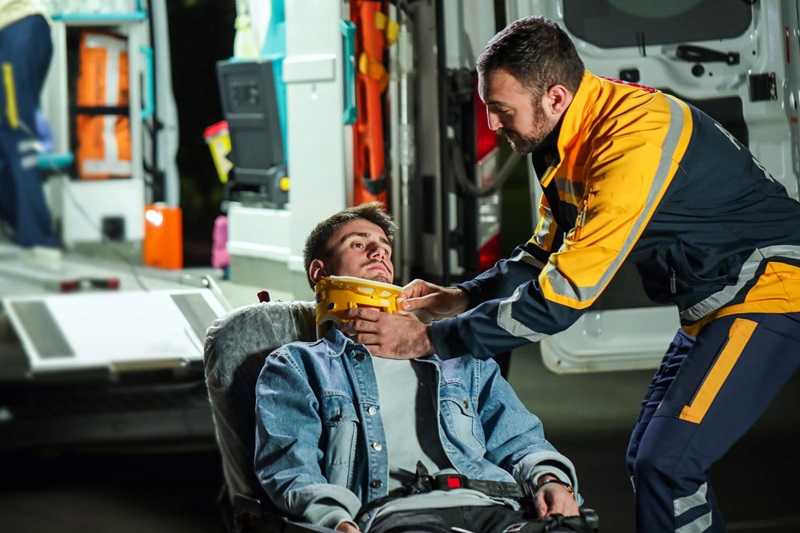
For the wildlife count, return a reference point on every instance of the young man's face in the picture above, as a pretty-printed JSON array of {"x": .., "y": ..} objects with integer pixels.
[
  {"x": 514, "y": 114},
  {"x": 360, "y": 249}
]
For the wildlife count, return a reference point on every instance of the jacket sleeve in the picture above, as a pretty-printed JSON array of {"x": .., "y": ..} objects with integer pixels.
[
  {"x": 510, "y": 310},
  {"x": 515, "y": 438},
  {"x": 288, "y": 456}
]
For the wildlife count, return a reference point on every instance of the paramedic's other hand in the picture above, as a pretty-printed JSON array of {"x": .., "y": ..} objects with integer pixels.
[
  {"x": 553, "y": 498},
  {"x": 348, "y": 527},
  {"x": 440, "y": 302},
  {"x": 393, "y": 336}
]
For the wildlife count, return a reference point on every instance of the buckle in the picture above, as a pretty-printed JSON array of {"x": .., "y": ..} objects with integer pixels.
[{"x": 450, "y": 482}]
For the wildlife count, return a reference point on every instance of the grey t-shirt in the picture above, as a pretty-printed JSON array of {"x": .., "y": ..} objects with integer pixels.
[{"x": 407, "y": 394}]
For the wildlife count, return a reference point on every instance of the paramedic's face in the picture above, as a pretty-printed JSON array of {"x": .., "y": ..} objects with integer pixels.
[
  {"x": 514, "y": 113},
  {"x": 360, "y": 249}
]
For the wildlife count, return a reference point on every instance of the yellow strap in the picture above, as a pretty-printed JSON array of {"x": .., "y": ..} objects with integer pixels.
[
  {"x": 373, "y": 69},
  {"x": 389, "y": 27},
  {"x": 11, "y": 97}
]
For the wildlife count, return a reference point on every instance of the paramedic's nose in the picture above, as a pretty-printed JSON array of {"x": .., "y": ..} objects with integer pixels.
[{"x": 493, "y": 120}]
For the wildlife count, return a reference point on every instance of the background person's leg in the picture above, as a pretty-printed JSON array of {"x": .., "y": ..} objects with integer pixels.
[
  {"x": 735, "y": 369},
  {"x": 25, "y": 51}
]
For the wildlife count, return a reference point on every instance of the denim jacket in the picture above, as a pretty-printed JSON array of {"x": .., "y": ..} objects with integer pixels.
[{"x": 320, "y": 452}]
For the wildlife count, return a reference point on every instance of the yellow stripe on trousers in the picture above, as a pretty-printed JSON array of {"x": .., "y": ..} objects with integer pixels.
[
  {"x": 738, "y": 337},
  {"x": 11, "y": 97}
]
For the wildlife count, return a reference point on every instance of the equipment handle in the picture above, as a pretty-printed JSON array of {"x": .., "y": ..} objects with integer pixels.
[
  {"x": 699, "y": 54},
  {"x": 149, "y": 107},
  {"x": 349, "y": 40}
]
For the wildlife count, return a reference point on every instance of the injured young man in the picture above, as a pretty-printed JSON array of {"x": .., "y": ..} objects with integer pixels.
[{"x": 353, "y": 442}]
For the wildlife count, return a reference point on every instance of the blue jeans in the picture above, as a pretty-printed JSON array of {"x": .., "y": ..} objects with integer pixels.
[
  {"x": 25, "y": 52},
  {"x": 707, "y": 392}
]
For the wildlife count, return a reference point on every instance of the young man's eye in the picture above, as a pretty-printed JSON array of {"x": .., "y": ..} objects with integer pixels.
[{"x": 358, "y": 245}]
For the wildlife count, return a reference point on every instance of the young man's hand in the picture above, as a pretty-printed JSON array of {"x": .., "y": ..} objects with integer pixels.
[
  {"x": 388, "y": 335},
  {"x": 440, "y": 302},
  {"x": 554, "y": 498},
  {"x": 348, "y": 527}
]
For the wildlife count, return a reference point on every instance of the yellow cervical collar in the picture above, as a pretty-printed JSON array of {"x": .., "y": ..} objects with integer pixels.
[{"x": 335, "y": 294}]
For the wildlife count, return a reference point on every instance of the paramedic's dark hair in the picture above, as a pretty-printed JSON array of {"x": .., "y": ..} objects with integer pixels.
[
  {"x": 536, "y": 52},
  {"x": 317, "y": 245}
]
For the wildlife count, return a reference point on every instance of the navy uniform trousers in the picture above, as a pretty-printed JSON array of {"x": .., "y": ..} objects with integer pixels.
[
  {"x": 25, "y": 52},
  {"x": 707, "y": 392}
]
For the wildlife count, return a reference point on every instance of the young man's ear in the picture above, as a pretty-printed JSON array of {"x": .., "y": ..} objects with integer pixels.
[{"x": 316, "y": 270}]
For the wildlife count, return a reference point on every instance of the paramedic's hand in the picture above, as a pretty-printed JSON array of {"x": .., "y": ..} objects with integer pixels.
[
  {"x": 348, "y": 527},
  {"x": 440, "y": 302},
  {"x": 393, "y": 336},
  {"x": 553, "y": 498}
]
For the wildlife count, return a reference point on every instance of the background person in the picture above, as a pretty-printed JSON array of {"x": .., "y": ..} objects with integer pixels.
[
  {"x": 630, "y": 174},
  {"x": 25, "y": 52}
]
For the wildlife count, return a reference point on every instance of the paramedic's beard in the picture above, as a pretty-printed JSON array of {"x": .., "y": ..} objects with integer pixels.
[
  {"x": 525, "y": 144},
  {"x": 532, "y": 141}
]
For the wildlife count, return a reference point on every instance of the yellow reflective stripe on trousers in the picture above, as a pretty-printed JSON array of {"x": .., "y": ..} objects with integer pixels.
[
  {"x": 738, "y": 337},
  {"x": 11, "y": 96}
]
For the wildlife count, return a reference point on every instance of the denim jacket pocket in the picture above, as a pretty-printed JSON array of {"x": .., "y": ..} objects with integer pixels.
[
  {"x": 340, "y": 419},
  {"x": 458, "y": 410}
]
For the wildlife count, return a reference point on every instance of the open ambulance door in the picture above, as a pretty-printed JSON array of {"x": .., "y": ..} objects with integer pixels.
[{"x": 734, "y": 59}]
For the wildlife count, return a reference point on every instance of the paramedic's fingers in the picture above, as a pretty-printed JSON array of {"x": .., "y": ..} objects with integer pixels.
[
  {"x": 439, "y": 301},
  {"x": 388, "y": 335},
  {"x": 555, "y": 499},
  {"x": 348, "y": 527}
]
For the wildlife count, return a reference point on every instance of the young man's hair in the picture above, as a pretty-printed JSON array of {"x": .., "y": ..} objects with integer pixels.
[
  {"x": 536, "y": 52},
  {"x": 317, "y": 245}
]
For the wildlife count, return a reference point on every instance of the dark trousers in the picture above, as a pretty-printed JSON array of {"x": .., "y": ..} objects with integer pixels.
[
  {"x": 25, "y": 52},
  {"x": 707, "y": 392},
  {"x": 490, "y": 518}
]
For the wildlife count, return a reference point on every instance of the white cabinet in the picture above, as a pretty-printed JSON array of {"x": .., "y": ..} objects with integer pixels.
[{"x": 88, "y": 209}]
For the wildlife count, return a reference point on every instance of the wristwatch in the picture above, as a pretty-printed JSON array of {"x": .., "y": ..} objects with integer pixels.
[{"x": 556, "y": 480}]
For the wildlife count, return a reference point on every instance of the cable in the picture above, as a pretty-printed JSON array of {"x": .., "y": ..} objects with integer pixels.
[{"x": 457, "y": 157}]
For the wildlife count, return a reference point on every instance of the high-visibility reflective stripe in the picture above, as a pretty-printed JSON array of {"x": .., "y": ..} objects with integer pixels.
[
  {"x": 746, "y": 274},
  {"x": 506, "y": 320},
  {"x": 563, "y": 290},
  {"x": 681, "y": 505},
  {"x": 11, "y": 96},
  {"x": 738, "y": 337},
  {"x": 699, "y": 525}
]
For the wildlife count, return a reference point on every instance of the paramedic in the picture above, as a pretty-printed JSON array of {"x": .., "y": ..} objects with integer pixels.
[
  {"x": 630, "y": 174},
  {"x": 337, "y": 429},
  {"x": 25, "y": 52}
]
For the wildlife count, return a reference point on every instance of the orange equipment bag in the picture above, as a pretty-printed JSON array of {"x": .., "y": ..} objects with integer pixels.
[{"x": 103, "y": 130}]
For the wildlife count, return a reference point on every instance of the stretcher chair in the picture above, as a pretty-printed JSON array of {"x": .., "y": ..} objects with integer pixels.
[{"x": 235, "y": 348}]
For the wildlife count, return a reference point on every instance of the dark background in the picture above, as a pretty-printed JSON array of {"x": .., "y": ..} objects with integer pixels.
[{"x": 201, "y": 33}]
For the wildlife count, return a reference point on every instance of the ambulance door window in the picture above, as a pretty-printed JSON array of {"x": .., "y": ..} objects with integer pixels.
[{"x": 624, "y": 23}]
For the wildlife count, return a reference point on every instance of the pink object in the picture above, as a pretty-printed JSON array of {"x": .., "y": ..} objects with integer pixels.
[{"x": 220, "y": 257}]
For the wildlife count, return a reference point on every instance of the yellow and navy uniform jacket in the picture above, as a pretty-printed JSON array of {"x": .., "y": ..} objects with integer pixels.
[{"x": 638, "y": 176}]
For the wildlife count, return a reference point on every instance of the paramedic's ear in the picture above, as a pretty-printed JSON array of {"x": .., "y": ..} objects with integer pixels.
[
  {"x": 316, "y": 270},
  {"x": 557, "y": 99}
]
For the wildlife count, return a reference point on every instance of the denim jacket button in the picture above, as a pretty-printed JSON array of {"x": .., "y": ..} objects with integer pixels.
[
  {"x": 360, "y": 356},
  {"x": 377, "y": 446},
  {"x": 372, "y": 410},
  {"x": 376, "y": 484}
]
